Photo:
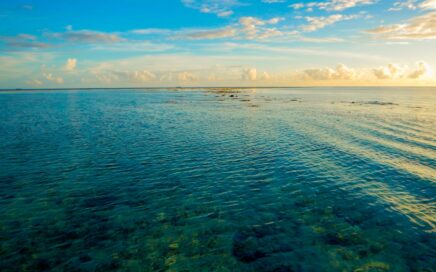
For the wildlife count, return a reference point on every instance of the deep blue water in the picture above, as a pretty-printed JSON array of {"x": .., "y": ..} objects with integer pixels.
[{"x": 304, "y": 179}]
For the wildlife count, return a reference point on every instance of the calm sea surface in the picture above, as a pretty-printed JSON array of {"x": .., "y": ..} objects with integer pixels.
[{"x": 304, "y": 179}]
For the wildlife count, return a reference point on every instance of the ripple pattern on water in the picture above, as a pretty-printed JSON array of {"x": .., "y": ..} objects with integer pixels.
[{"x": 303, "y": 179}]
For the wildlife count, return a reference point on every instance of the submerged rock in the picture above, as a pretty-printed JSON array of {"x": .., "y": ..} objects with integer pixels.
[
  {"x": 42, "y": 265},
  {"x": 246, "y": 249},
  {"x": 84, "y": 258},
  {"x": 344, "y": 239},
  {"x": 174, "y": 246},
  {"x": 378, "y": 103},
  {"x": 373, "y": 267}
]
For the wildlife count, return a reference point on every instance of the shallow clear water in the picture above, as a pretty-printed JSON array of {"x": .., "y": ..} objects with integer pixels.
[{"x": 304, "y": 179}]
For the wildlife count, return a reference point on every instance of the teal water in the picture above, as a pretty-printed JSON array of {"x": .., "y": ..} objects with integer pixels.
[{"x": 303, "y": 179}]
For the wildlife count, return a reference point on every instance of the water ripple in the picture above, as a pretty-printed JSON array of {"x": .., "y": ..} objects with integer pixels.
[{"x": 210, "y": 180}]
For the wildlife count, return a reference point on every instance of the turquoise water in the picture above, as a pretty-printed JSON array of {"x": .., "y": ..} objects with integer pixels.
[{"x": 303, "y": 179}]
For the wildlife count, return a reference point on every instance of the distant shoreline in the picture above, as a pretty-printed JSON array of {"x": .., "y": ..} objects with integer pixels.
[{"x": 198, "y": 88}]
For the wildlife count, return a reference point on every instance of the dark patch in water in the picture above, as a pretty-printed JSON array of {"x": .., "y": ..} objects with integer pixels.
[
  {"x": 253, "y": 243},
  {"x": 377, "y": 103},
  {"x": 246, "y": 248},
  {"x": 343, "y": 239},
  {"x": 102, "y": 202}
]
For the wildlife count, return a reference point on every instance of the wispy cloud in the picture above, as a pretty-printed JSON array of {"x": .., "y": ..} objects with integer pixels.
[
  {"x": 210, "y": 34},
  {"x": 221, "y": 8},
  {"x": 332, "y": 5},
  {"x": 253, "y": 27},
  {"x": 307, "y": 51},
  {"x": 428, "y": 4},
  {"x": 134, "y": 46},
  {"x": 34, "y": 82},
  {"x": 23, "y": 41},
  {"x": 251, "y": 42},
  {"x": 316, "y": 23},
  {"x": 319, "y": 40},
  {"x": 152, "y": 31},
  {"x": 87, "y": 36},
  {"x": 273, "y": 1},
  {"x": 413, "y": 5},
  {"x": 418, "y": 28},
  {"x": 27, "y": 6}
]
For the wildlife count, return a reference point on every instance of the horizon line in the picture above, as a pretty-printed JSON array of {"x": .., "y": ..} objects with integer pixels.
[{"x": 203, "y": 87}]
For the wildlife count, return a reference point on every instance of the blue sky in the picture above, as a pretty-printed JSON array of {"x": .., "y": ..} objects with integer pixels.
[{"x": 135, "y": 43}]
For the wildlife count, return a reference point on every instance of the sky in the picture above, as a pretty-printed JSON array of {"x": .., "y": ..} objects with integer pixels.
[{"x": 148, "y": 43}]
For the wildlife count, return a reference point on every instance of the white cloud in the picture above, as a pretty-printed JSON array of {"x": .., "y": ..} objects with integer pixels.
[
  {"x": 132, "y": 46},
  {"x": 253, "y": 28},
  {"x": 210, "y": 34},
  {"x": 320, "y": 40},
  {"x": 414, "y": 4},
  {"x": 190, "y": 34},
  {"x": 428, "y": 4},
  {"x": 297, "y": 6},
  {"x": 316, "y": 23},
  {"x": 229, "y": 73},
  {"x": 391, "y": 71},
  {"x": 341, "y": 72},
  {"x": 142, "y": 76},
  {"x": 225, "y": 13},
  {"x": 418, "y": 28},
  {"x": 333, "y": 5},
  {"x": 135, "y": 76},
  {"x": 250, "y": 24},
  {"x": 186, "y": 76},
  {"x": 71, "y": 64},
  {"x": 221, "y": 8},
  {"x": 396, "y": 71},
  {"x": 245, "y": 28},
  {"x": 249, "y": 74},
  {"x": 344, "y": 72},
  {"x": 422, "y": 70},
  {"x": 319, "y": 73},
  {"x": 52, "y": 78},
  {"x": 23, "y": 41},
  {"x": 87, "y": 36},
  {"x": 103, "y": 77},
  {"x": 403, "y": 4},
  {"x": 152, "y": 31},
  {"x": 104, "y": 74},
  {"x": 273, "y": 1},
  {"x": 34, "y": 82}
]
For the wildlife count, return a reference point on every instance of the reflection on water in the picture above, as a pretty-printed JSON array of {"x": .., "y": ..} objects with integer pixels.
[{"x": 318, "y": 179}]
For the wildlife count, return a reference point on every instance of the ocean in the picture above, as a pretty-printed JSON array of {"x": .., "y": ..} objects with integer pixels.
[{"x": 270, "y": 179}]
